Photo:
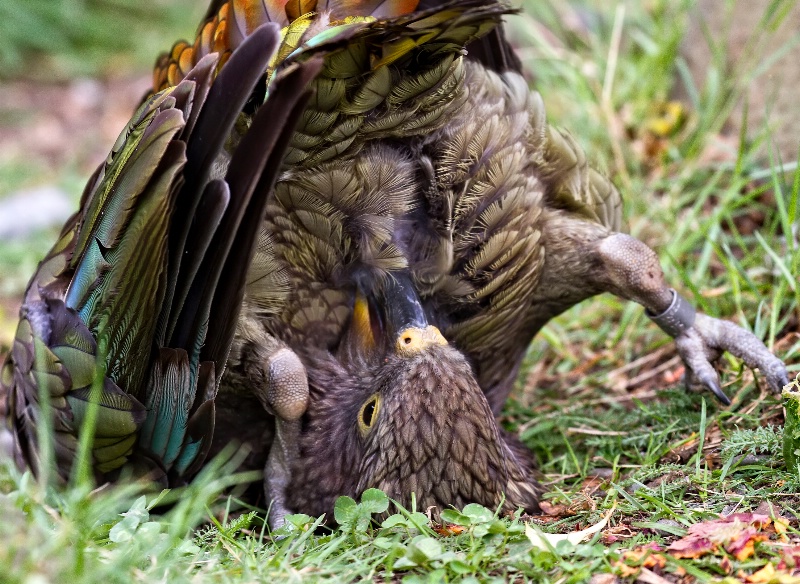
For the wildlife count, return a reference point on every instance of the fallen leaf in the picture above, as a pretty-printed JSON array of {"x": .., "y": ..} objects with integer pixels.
[
  {"x": 559, "y": 510},
  {"x": 744, "y": 546},
  {"x": 767, "y": 508},
  {"x": 781, "y": 525},
  {"x": 737, "y": 534},
  {"x": 449, "y": 529},
  {"x": 769, "y": 575},
  {"x": 592, "y": 483},
  {"x": 790, "y": 558},
  {"x": 603, "y": 579},
  {"x": 645, "y": 556},
  {"x": 765, "y": 574},
  {"x": 627, "y": 571},
  {"x": 546, "y": 541},
  {"x": 617, "y": 533},
  {"x": 649, "y": 577}
]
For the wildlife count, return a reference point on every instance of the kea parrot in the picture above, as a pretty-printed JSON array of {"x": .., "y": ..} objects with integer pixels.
[{"x": 353, "y": 217}]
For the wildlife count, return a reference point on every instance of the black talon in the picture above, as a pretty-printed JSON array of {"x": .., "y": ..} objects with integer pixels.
[{"x": 715, "y": 389}]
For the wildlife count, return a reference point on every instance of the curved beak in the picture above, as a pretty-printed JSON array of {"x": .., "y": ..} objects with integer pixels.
[
  {"x": 389, "y": 320},
  {"x": 407, "y": 326}
]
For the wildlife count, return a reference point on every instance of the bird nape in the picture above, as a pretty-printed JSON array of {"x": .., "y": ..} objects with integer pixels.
[{"x": 358, "y": 212}]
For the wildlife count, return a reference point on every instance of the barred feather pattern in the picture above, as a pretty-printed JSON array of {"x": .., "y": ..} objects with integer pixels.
[
  {"x": 498, "y": 166},
  {"x": 434, "y": 437},
  {"x": 473, "y": 232},
  {"x": 388, "y": 72},
  {"x": 480, "y": 252},
  {"x": 463, "y": 207},
  {"x": 331, "y": 226},
  {"x": 452, "y": 449},
  {"x": 336, "y": 211},
  {"x": 73, "y": 304}
]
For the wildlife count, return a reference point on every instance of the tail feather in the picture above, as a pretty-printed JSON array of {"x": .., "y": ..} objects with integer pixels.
[{"x": 210, "y": 210}]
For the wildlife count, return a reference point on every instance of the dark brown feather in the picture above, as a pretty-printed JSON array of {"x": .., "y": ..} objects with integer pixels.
[{"x": 252, "y": 174}]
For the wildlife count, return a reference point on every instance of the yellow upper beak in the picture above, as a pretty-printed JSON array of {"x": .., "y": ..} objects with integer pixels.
[{"x": 413, "y": 339}]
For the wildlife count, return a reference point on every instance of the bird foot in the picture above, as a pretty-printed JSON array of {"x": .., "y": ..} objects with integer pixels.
[
  {"x": 701, "y": 344},
  {"x": 286, "y": 396},
  {"x": 286, "y": 393},
  {"x": 277, "y": 472},
  {"x": 631, "y": 270}
]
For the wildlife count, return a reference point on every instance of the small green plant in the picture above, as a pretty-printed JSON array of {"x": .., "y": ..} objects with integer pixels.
[
  {"x": 355, "y": 517},
  {"x": 791, "y": 432},
  {"x": 761, "y": 440}
]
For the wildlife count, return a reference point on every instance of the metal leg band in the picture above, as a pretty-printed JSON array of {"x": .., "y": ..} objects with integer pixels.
[{"x": 677, "y": 318}]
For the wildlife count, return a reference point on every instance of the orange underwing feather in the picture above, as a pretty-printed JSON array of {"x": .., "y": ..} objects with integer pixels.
[
  {"x": 234, "y": 20},
  {"x": 297, "y": 8},
  {"x": 277, "y": 9}
]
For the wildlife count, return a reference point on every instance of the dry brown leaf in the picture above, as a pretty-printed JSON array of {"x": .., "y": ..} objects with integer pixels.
[
  {"x": 559, "y": 510},
  {"x": 737, "y": 534},
  {"x": 449, "y": 529},
  {"x": 645, "y": 556},
  {"x": 617, "y": 533}
]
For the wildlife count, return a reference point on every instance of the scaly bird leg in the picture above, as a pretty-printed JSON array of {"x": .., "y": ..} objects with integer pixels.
[
  {"x": 281, "y": 385},
  {"x": 631, "y": 270},
  {"x": 287, "y": 396}
]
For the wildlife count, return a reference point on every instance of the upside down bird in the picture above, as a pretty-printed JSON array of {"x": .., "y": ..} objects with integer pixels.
[{"x": 330, "y": 232}]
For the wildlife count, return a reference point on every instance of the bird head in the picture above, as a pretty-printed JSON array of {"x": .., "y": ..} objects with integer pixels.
[{"x": 399, "y": 409}]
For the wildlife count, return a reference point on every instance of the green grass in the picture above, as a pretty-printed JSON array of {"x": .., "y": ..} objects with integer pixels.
[
  {"x": 727, "y": 236},
  {"x": 64, "y": 38},
  {"x": 117, "y": 536}
]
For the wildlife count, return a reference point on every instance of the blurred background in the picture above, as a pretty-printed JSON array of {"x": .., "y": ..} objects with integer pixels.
[
  {"x": 71, "y": 74},
  {"x": 688, "y": 105}
]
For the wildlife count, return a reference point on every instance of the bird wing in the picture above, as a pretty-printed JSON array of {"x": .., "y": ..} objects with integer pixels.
[{"x": 127, "y": 323}]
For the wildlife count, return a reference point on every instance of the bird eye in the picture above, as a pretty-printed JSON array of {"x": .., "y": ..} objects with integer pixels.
[{"x": 368, "y": 413}]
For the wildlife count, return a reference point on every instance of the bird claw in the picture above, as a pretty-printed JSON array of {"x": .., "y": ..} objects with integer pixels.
[
  {"x": 777, "y": 378},
  {"x": 278, "y": 470},
  {"x": 712, "y": 384},
  {"x": 702, "y": 344}
]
